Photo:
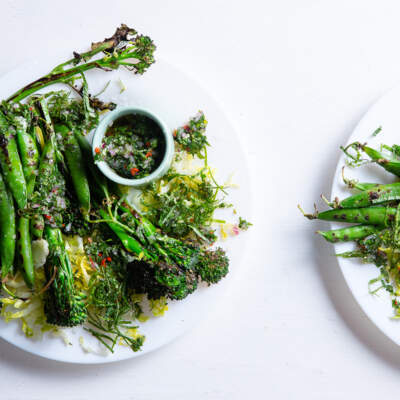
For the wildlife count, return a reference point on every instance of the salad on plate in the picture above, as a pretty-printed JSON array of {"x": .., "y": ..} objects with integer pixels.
[
  {"x": 76, "y": 249},
  {"x": 371, "y": 216}
]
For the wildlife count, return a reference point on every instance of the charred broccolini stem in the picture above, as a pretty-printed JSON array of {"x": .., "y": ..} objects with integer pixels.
[
  {"x": 125, "y": 48},
  {"x": 176, "y": 265},
  {"x": 64, "y": 306},
  {"x": 173, "y": 261}
]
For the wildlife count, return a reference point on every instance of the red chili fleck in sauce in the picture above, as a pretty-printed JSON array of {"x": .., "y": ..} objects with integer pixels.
[{"x": 134, "y": 171}]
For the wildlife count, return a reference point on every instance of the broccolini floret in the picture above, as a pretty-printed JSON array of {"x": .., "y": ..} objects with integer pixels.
[
  {"x": 212, "y": 265},
  {"x": 63, "y": 305}
]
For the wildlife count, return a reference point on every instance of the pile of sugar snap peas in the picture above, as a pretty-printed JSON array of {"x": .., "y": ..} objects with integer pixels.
[
  {"x": 376, "y": 207},
  {"x": 19, "y": 158},
  {"x": 29, "y": 168}
]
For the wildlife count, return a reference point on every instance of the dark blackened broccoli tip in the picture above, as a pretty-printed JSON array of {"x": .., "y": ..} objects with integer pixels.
[
  {"x": 64, "y": 311},
  {"x": 141, "y": 279},
  {"x": 162, "y": 280},
  {"x": 173, "y": 282}
]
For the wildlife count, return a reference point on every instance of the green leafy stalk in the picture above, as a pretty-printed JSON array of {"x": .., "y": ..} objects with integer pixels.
[{"x": 125, "y": 48}]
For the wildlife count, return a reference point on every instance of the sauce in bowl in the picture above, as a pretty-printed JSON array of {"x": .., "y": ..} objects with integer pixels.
[{"x": 133, "y": 146}]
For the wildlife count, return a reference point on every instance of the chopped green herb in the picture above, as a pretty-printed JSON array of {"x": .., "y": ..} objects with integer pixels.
[
  {"x": 184, "y": 205},
  {"x": 191, "y": 137},
  {"x": 243, "y": 224},
  {"x": 377, "y": 130}
]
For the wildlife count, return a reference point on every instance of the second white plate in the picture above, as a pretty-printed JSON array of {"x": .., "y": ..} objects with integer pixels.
[{"x": 384, "y": 113}]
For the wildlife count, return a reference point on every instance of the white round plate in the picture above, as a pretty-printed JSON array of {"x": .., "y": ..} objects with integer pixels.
[
  {"x": 175, "y": 97},
  {"x": 384, "y": 113}
]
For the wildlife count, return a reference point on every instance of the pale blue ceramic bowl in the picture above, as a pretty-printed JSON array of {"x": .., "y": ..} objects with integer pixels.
[{"x": 166, "y": 160}]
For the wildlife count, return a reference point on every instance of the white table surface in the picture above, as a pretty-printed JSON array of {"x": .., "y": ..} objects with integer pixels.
[{"x": 294, "y": 76}]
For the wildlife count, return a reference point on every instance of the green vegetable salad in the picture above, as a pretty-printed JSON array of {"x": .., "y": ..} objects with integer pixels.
[{"x": 86, "y": 252}]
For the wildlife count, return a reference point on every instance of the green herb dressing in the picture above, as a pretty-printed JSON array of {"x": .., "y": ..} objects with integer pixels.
[{"x": 133, "y": 146}]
